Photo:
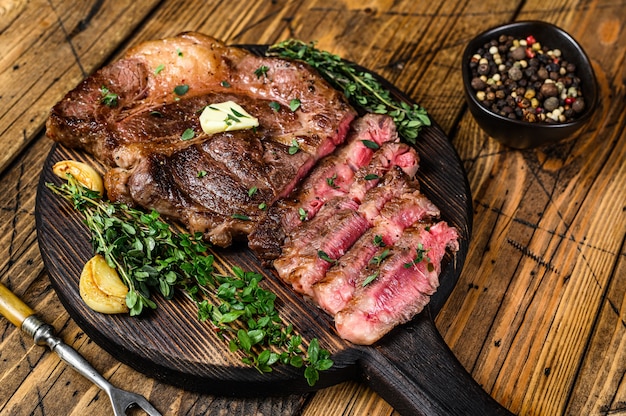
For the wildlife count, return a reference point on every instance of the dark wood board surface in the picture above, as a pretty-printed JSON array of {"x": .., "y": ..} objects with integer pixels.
[{"x": 411, "y": 367}]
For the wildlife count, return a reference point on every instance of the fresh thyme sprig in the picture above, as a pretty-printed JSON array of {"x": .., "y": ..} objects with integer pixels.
[
  {"x": 151, "y": 257},
  {"x": 360, "y": 87}
]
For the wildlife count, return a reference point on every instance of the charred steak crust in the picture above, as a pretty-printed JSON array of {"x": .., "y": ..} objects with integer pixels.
[{"x": 203, "y": 182}]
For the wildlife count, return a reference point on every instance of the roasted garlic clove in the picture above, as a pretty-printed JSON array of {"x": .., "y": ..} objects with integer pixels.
[
  {"x": 101, "y": 287},
  {"x": 83, "y": 173}
]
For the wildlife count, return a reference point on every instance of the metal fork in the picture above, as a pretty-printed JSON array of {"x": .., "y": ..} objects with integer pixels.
[{"x": 20, "y": 315}]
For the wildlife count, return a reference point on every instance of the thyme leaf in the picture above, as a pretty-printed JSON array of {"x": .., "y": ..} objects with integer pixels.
[
  {"x": 188, "y": 134},
  {"x": 420, "y": 255},
  {"x": 274, "y": 106},
  {"x": 261, "y": 71},
  {"x": 369, "y": 279},
  {"x": 331, "y": 182},
  {"x": 181, "y": 89},
  {"x": 109, "y": 98},
  {"x": 294, "y": 104},
  {"x": 324, "y": 256},
  {"x": 379, "y": 259},
  {"x": 152, "y": 259},
  {"x": 294, "y": 148}
]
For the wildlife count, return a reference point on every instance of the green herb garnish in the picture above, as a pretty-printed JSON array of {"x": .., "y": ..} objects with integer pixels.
[
  {"x": 188, "y": 134},
  {"x": 295, "y": 146},
  {"x": 181, "y": 89},
  {"x": 225, "y": 84},
  {"x": 370, "y": 144},
  {"x": 294, "y": 104},
  {"x": 152, "y": 258},
  {"x": 303, "y": 214},
  {"x": 369, "y": 279},
  {"x": 331, "y": 182},
  {"x": 324, "y": 256},
  {"x": 420, "y": 255},
  {"x": 240, "y": 217},
  {"x": 274, "y": 106},
  {"x": 109, "y": 98},
  {"x": 379, "y": 259},
  {"x": 360, "y": 87},
  {"x": 261, "y": 71},
  {"x": 371, "y": 177},
  {"x": 158, "y": 69}
]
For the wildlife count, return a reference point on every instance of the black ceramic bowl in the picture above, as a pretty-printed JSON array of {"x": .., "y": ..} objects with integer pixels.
[{"x": 522, "y": 134}]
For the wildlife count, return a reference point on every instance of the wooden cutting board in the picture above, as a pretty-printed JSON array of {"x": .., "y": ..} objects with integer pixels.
[{"x": 411, "y": 367}]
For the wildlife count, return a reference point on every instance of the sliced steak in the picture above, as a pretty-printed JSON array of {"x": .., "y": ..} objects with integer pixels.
[
  {"x": 314, "y": 244},
  {"x": 212, "y": 183},
  {"x": 336, "y": 289},
  {"x": 402, "y": 284},
  {"x": 350, "y": 171}
]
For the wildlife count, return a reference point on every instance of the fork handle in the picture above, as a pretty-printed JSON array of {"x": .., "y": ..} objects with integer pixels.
[
  {"x": 23, "y": 317},
  {"x": 12, "y": 307},
  {"x": 43, "y": 334}
]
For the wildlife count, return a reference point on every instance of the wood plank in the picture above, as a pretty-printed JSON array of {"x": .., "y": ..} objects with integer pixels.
[
  {"x": 518, "y": 280},
  {"x": 48, "y": 47},
  {"x": 356, "y": 399}
]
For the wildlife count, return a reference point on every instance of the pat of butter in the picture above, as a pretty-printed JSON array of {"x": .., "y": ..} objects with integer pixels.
[{"x": 226, "y": 116}]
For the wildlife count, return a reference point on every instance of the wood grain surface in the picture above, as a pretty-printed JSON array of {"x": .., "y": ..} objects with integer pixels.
[{"x": 538, "y": 314}]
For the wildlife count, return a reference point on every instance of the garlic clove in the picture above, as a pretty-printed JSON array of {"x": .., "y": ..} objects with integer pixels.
[
  {"x": 101, "y": 288},
  {"x": 83, "y": 173}
]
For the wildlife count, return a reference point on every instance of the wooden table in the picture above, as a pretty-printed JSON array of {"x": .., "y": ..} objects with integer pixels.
[{"x": 538, "y": 317}]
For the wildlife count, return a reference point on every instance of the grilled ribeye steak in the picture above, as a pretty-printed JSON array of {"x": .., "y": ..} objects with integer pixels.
[{"x": 133, "y": 116}]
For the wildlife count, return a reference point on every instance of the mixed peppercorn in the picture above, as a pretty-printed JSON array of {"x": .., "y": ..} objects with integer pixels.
[{"x": 522, "y": 80}]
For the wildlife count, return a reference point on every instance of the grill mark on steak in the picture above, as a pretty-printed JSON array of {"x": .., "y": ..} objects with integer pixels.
[{"x": 399, "y": 292}]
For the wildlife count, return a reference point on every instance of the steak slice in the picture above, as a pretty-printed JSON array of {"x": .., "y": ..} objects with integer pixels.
[
  {"x": 214, "y": 183},
  {"x": 403, "y": 284}
]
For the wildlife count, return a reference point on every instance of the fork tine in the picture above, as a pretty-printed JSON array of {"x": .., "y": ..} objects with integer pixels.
[
  {"x": 43, "y": 334},
  {"x": 122, "y": 400},
  {"x": 147, "y": 407}
]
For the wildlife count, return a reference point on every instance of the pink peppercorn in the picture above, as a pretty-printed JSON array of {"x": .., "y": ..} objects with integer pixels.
[
  {"x": 569, "y": 100},
  {"x": 530, "y": 39},
  {"x": 530, "y": 53}
]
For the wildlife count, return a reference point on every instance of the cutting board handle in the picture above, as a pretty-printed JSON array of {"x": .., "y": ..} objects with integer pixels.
[{"x": 417, "y": 374}]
